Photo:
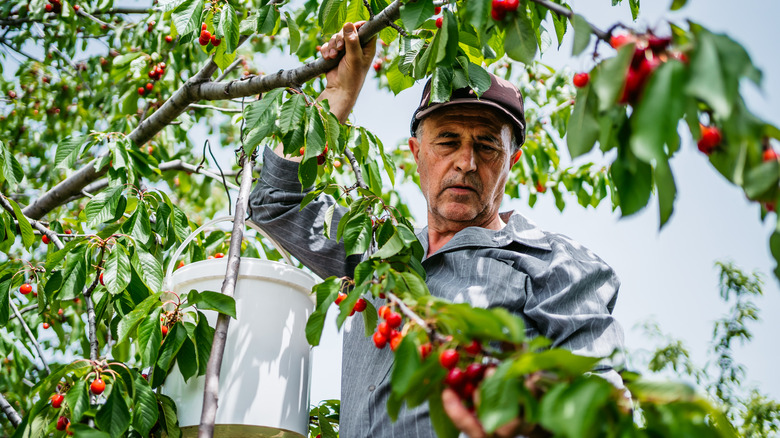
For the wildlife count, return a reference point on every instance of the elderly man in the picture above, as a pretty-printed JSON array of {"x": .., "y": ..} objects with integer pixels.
[{"x": 464, "y": 150}]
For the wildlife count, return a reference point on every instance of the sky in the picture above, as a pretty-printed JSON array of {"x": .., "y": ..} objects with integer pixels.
[{"x": 668, "y": 275}]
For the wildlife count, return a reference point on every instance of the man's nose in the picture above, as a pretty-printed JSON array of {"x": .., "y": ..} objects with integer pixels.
[{"x": 465, "y": 161}]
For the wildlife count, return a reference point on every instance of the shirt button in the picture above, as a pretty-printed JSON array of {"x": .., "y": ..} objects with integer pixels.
[{"x": 372, "y": 388}]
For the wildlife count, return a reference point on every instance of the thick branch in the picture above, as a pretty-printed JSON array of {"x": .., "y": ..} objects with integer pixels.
[
  {"x": 198, "y": 88},
  {"x": 211, "y": 386},
  {"x": 9, "y": 412},
  {"x": 30, "y": 335}
]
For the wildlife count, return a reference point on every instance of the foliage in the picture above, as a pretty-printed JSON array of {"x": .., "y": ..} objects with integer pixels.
[
  {"x": 722, "y": 377},
  {"x": 105, "y": 106}
]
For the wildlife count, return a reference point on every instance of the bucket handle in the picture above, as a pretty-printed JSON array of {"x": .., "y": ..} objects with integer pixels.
[{"x": 254, "y": 226}]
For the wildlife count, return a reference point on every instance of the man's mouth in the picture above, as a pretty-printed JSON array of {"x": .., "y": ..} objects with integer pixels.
[{"x": 461, "y": 189}]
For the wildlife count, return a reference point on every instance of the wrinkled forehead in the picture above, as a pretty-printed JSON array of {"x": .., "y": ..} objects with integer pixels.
[{"x": 473, "y": 117}]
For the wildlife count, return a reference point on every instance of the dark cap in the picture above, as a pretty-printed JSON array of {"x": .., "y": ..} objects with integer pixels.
[{"x": 502, "y": 95}]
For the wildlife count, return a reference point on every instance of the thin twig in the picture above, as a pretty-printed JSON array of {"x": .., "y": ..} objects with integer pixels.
[
  {"x": 368, "y": 7},
  {"x": 212, "y": 107},
  {"x": 356, "y": 168},
  {"x": 37, "y": 27},
  {"x": 93, "y": 342},
  {"x": 85, "y": 14},
  {"x": 187, "y": 167},
  {"x": 10, "y": 412},
  {"x": 30, "y": 335},
  {"x": 415, "y": 317},
  {"x": 229, "y": 69},
  {"x": 5, "y": 43},
  {"x": 214, "y": 365},
  {"x": 24, "y": 310},
  {"x": 399, "y": 29}
]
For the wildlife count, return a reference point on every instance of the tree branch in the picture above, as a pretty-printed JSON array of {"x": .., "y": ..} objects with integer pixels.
[
  {"x": 37, "y": 225},
  {"x": 215, "y": 108},
  {"x": 24, "y": 310},
  {"x": 560, "y": 10},
  {"x": 30, "y": 335},
  {"x": 211, "y": 386},
  {"x": 198, "y": 88},
  {"x": 10, "y": 412},
  {"x": 355, "y": 168},
  {"x": 181, "y": 165},
  {"x": 94, "y": 352}
]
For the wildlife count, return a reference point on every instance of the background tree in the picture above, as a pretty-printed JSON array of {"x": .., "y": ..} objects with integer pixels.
[{"x": 112, "y": 127}]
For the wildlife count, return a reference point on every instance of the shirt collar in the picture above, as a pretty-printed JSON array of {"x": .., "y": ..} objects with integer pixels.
[{"x": 518, "y": 229}]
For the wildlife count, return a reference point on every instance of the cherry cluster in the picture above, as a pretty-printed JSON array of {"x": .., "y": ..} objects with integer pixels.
[
  {"x": 321, "y": 158},
  {"x": 360, "y": 304},
  {"x": 650, "y": 52},
  {"x": 206, "y": 37},
  {"x": 499, "y": 8},
  {"x": 54, "y": 6},
  {"x": 463, "y": 381},
  {"x": 387, "y": 330}
]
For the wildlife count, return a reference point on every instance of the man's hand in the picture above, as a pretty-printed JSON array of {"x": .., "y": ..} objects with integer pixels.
[{"x": 346, "y": 80}]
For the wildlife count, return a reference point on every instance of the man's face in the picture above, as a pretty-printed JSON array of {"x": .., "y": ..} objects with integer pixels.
[{"x": 463, "y": 159}]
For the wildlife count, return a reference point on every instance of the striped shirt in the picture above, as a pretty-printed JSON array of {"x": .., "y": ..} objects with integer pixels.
[{"x": 561, "y": 289}]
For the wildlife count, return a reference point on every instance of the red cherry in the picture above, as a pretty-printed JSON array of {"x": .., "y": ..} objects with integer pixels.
[
  {"x": 455, "y": 377},
  {"x": 439, "y": 22},
  {"x": 393, "y": 319},
  {"x": 140, "y": 91},
  {"x": 145, "y": 376},
  {"x": 161, "y": 66},
  {"x": 620, "y": 40},
  {"x": 168, "y": 39},
  {"x": 181, "y": 264},
  {"x": 770, "y": 206},
  {"x": 658, "y": 44},
  {"x": 360, "y": 305},
  {"x": 25, "y": 288},
  {"x": 46, "y": 325},
  {"x": 380, "y": 340},
  {"x": 770, "y": 155},
  {"x": 68, "y": 232},
  {"x": 215, "y": 41},
  {"x": 149, "y": 86},
  {"x": 320, "y": 160},
  {"x": 467, "y": 390},
  {"x": 498, "y": 5},
  {"x": 340, "y": 297},
  {"x": 511, "y": 5},
  {"x": 203, "y": 41},
  {"x": 581, "y": 80},
  {"x": 203, "y": 26},
  {"x": 395, "y": 339},
  {"x": 97, "y": 386},
  {"x": 425, "y": 350},
  {"x": 76, "y": 8},
  {"x": 302, "y": 150},
  {"x": 62, "y": 423},
  {"x": 45, "y": 239},
  {"x": 710, "y": 139},
  {"x": 648, "y": 64},
  {"x": 449, "y": 358},
  {"x": 164, "y": 330},
  {"x": 384, "y": 328},
  {"x": 377, "y": 66},
  {"x": 382, "y": 312},
  {"x": 540, "y": 188},
  {"x": 56, "y": 400},
  {"x": 475, "y": 372},
  {"x": 633, "y": 85},
  {"x": 48, "y": 7},
  {"x": 219, "y": 255},
  {"x": 498, "y": 14},
  {"x": 473, "y": 348},
  {"x": 437, "y": 10}
]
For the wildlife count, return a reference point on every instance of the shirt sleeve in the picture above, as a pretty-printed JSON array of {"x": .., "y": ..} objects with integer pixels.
[
  {"x": 274, "y": 205},
  {"x": 571, "y": 301}
]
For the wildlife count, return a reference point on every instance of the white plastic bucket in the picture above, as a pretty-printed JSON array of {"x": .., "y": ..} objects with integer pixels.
[{"x": 264, "y": 381}]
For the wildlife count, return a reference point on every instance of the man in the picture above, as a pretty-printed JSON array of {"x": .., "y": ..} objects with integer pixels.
[{"x": 464, "y": 150}]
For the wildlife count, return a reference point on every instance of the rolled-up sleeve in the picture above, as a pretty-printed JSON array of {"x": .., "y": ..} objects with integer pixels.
[
  {"x": 570, "y": 301},
  {"x": 275, "y": 206}
]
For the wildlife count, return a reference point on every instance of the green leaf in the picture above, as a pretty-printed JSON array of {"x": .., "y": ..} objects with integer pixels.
[
  {"x": 357, "y": 234},
  {"x": 568, "y": 410},
  {"x": 77, "y": 399},
  {"x": 208, "y": 300},
  {"x": 583, "y": 128},
  {"x": 406, "y": 362},
  {"x": 447, "y": 47},
  {"x": 332, "y": 15},
  {"x": 5, "y": 305},
  {"x": 68, "y": 151},
  {"x": 28, "y": 238},
  {"x": 229, "y": 28},
  {"x": 171, "y": 345},
  {"x": 150, "y": 338},
  {"x": 656, "y": 117},
  {"x": 103, "y": 206},
  {"x": 314, "y": 326},
  {"x": 10, "y": 169},
  {"x": 561, "y": 23},
  {"x": 442, "y": 423},
  {"x": 390, "y": 248},
  {"x": 295, "y": 34},
  {"x": 677, "y": 4},
  {"x": 292, "y": 113},
  {"x": 186, "y": 18},
  {"x": 356, "y": 11},
  {"x": 114, "y": 416},
  {"x": 520, "y": 39},
  {"x": 145, "y": 411},
  {"x": 128, "y": 324},
  {"x": 414, "y": 14},
  {"x": 148, "y": 268},
  {"x": 762, "y": 178},
  {"x": 479, "y": 79},
  {"x": 667, "y": 190},
  {"x": 187, "y": 358},
  {"x": 265, "y": 106},
  {"x": 633, "y": 181},
  {"x": 204, "y": 336},
  {"x": 499, "y": 394},
  {"x": 138, "y": 226},
  {"x": 117, "y": 273},
  {"x": 581, "y": 34},
  {"x": 477, "y": 14},
  {"x": 268, "y": 19},
  {"x": 170, "y": 419},
  {"x": 441, "y": 84},
  {"x": 75, "y": 277},
  {"x": 607, "y": 89}
]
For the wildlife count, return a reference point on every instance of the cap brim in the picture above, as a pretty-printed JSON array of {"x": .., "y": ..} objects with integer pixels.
[{"x": 519, "y": 126}]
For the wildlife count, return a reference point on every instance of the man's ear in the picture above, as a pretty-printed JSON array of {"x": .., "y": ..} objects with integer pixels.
[
  {"x": 516, "y": 157},
  {"x": 414, "y": 146}
]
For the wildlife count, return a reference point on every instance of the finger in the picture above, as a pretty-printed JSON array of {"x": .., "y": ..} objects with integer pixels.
[
  {"x": 369, "y": 50},
  {"x": 325, "y": 50},
  {"x": 352, "y": 42},
  {"x": 464, "y": 420}
]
